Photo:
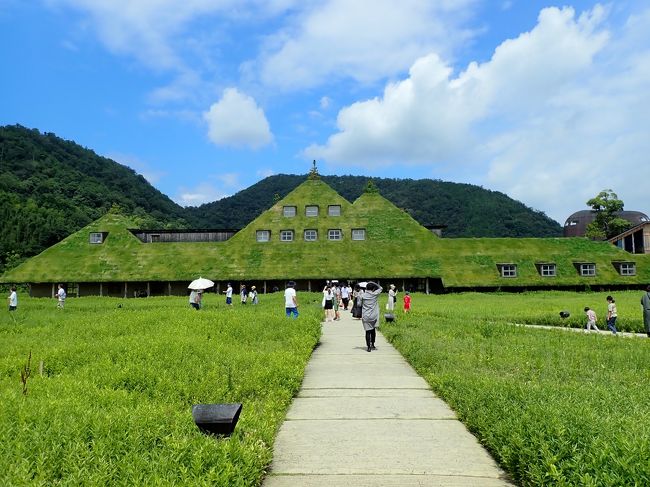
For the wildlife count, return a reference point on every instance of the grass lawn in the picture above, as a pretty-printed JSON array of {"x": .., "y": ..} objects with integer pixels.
[
  {"x": 113, "y": 406},
  {"x": 554, "y": 408}
]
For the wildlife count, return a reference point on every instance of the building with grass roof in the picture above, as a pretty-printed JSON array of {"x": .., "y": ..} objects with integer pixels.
[{"x": 312, "y": 235}]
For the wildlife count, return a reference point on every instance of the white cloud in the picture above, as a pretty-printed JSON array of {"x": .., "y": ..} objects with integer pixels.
[
  {"x": 264, "y": 173},
  {"x": 556, "y": 115},
  {"x": 325, "y": 102},
  {"x": 237, "y": 121},
  {"x": 365, "y": 40},
  {"x": 203, "y": 193}
]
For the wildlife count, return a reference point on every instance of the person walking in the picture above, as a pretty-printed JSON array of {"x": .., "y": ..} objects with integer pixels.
[
  {"x": 60, "y": 296},
  {"x": 345, "y": 296},
  {"x": 228, "y": 292},
  {"x": 612, "y": 314},
  {"x": 291, "y": 300},
  {"x": 645, "y": 302},
  {"x": 370, "y": 313},
  {"x": 328, "y": 303},
  {"x": 13, "y": 299},
  {"x": 243, "y": 293},
  {"x": 356, "y": 302},
  {"x": 253, "y": 295},
  {"x": 591, "y": 319}
]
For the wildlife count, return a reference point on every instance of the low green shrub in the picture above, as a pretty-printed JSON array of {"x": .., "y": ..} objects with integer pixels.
[
  {"x": 554, "y": 408},
  {"x": 119, "y": 377}
]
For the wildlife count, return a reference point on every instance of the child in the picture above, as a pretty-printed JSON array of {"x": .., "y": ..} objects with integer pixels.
[
  {"x": 591, "y": 319},
  {"x": 407, "y": 302},
  {"x": 611, "y": 314}
]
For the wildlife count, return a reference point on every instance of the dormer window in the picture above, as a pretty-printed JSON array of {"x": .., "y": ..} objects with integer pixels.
[
  {"x": 358, "y": 234},
  {"x": 507, "y": 270},
  {"x": 311, "y": 210},
  {"x": 547, "y": 270},
  {"x": 263, "y": 235},
  {"x": 588, "y": 270},
  {"x": 289, "y": 211},
  {"x": 625, "y": 268},
  {"x": 334, "y": 234},
  {"x": 286, "y": 235},
  {"x": 311, "y": 235},
  {"x": 97, "y": 237},
  {"x": 334, "y": 210}
]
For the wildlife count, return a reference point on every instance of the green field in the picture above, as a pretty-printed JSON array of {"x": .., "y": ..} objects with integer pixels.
[
  {"x": 113, "y": 406},
  {"x": 553, "y": 407}
]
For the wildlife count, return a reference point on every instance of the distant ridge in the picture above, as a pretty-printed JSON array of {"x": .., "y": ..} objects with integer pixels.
[{"x": 51, "y": 187}]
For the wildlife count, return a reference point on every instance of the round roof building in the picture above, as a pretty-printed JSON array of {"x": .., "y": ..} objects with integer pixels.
[{"x": 576, "y": 224}]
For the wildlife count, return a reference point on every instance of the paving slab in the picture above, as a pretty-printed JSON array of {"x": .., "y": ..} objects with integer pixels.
[{"x": 367, "y": 419}]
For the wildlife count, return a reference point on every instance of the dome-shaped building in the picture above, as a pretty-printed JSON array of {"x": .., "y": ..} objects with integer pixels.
[{"x": 576, "y": 224}]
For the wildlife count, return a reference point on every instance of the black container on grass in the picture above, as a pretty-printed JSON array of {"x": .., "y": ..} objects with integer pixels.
[{"x": 216, "y": 419}]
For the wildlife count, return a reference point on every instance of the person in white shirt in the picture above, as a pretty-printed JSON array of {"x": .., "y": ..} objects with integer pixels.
[
  {"x": 60, "y": 295},
  {"x": 290, "y": 300},
  {"x": 13, "y": 299},
  {"x": 228, "y": 292}
]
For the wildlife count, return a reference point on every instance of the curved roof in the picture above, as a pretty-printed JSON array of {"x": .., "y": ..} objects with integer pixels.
[{"x": 576, "y": 224}]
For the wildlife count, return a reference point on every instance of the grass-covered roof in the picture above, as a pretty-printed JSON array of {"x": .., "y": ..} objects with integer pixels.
[{"x": 395, "y": 246}]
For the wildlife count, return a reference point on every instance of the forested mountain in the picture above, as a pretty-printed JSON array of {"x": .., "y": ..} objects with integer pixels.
[
  {"x": 466, "y": 210},
  {"x": 50, "y": 187}
]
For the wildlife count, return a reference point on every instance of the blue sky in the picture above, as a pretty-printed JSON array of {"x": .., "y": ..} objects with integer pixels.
[{"x": 549, "y": 103}]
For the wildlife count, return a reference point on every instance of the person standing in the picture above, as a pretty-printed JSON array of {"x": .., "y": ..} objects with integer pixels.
[
  {"x": 253, "y": 295},
  {"x": 291, "y": 300},
  {"x": 370, "y": 313},
  {"x": 194, "y": 299},
  {"x": 13, "y": 299},
  {"x": 392, "y": 297},
  {"x": 228, "y": 292},
  {"x": 61, "y": 295},
  {"x": 345, "y": 296},
  {"x": 243, "y": 293},
  {"x": 645, "y": 302},
  {"x": 591, "y": 319},
  {"x": 407, "y": 302},
  {"x": 328, "y": 303},
  {"x": 612, "y": 314}
]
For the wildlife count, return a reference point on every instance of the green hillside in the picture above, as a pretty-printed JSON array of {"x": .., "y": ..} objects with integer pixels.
[
  {"x": 50, "y": 188},
  {"x": 465, "y": 209}
]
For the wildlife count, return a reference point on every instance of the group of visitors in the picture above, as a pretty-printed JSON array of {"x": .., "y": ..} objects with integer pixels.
[
  {"x": 612, "y": 315},
  {"x": 60, "y": 296}
]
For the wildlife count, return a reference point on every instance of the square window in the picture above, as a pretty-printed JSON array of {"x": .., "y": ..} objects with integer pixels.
[
  {"x": 588, "y": 270},
  {"x": 627, "y": 269},
  {"x": 289, "y": 211},
  {"x": 334, "y": 234},
  {"x": 311, "y": 210},
  {"x": 263, "y": 235},
  {"x": 508, "y": 270},
  {"x": 334, "y": 210},
  {"x": 358, "y": 234},
  {"x": 311, "y": 235},
  {"x": 96, "y": 238},
  {"x": 547, "y": 270},
  {"x": 286, "y": 235}
]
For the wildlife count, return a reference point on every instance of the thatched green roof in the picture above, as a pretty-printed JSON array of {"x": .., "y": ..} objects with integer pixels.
[{"x": 395, "y": 246}]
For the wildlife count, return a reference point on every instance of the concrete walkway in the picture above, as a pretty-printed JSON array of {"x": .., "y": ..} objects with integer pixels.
[{"x": 367, "y": 419}]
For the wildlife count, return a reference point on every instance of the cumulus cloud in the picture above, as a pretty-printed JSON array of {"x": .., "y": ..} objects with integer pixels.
[
  {"x": 545, "y": 120},
  {"x": 237, "y": 121},
  {"x": 364, "y": 40}
]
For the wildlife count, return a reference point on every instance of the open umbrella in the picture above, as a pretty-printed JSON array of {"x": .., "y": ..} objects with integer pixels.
[
  {"x": 200, "y": 283},
  {"x": 362, "y": 285}
]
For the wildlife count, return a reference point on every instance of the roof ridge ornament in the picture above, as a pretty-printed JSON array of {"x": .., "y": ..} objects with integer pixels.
[{"x": 313, "y": 172}]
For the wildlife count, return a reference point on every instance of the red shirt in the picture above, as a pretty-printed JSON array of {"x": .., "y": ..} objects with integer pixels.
[{"x": 407, "y": 302}]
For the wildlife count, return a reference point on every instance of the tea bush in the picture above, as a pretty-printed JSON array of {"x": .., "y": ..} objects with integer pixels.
[{"x": 113, "y": 404}]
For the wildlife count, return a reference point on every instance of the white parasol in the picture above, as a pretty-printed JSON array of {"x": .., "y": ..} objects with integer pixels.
[
  {"x": 362, "y": 285},
  {"x": 200, "y": 283}
]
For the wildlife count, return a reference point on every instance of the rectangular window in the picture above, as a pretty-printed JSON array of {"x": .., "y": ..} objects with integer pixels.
[
  {"x": 547, "y": 270},
  {"x": 96, "y": 238},
  {"x": 288, "y": 211},
  {"x": 358, "y": 234},
  {"x": 334, "y": 210},
  {"x": 286, "y": 235},
  {"x": 311, "y": 235},
  {"x": 154, "y": 238},
  {"x": 508, "y": 270},
  {"x": 311, "y": 210},
  {"x": 334, "y": 234},
  {"x": 588, "y": 270},
  {"x": 627, "y": 269},
  {"x": 263, "y": 235}
]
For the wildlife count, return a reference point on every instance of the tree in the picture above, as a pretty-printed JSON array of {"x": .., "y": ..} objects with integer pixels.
[{"x": 607, "y": 222}]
